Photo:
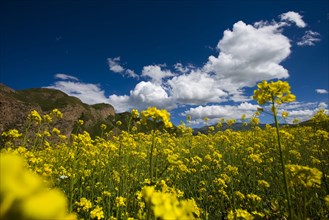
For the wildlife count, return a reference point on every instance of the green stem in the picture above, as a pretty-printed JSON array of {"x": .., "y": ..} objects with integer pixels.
[
  {"x": 129, "y": 123},
  {"x": 151, "y": 156},
  {"x": 282, "y": 160}
]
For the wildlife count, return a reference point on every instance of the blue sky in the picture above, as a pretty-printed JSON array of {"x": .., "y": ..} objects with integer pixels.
[{"x": 198, "y": 58}]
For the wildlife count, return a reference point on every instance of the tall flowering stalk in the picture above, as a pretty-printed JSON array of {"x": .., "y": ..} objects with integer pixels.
[
  {"x": 276, "y": 93},
  {"x": 156, "y": 115}
]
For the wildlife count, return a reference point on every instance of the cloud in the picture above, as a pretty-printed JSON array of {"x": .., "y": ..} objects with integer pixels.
[
  {"x": 249, "y": 54},
  {"x": 121, "y": 103},
  {"x": 131, "y": 73},
  {"x": 293, "y": 17},
  {"x": 144, "y": 94},
  {"x": 86, "y": 92},
  {"x": 183, "y": 69},
  {"x": 196, "y": 88},
  {"x": 301, "y": 110},
  {"x": 65, "y": 77},
  {"x": 114, "y": 65},
  {"x": 156, "y": 73},
  {"x": 309, "y": 38},
  {"x": 215, "y": 112},
  {"x": 321, "y": 91},
  {"x": 148, "y": 94}
]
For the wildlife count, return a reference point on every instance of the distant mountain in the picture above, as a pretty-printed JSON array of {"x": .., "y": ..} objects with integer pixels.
[
  {"x": 16, "y": 105},
  {"x": 235, "y": 127}
]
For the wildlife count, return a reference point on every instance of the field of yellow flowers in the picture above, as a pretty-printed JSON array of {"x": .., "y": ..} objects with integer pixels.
[{"x": 272, "y": 173}]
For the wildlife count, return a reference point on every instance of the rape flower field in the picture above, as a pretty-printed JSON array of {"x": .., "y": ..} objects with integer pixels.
[{"x": 272, "y": 173}]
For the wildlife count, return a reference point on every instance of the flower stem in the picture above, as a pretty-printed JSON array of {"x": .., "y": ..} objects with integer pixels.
[
  {"x": 151, "y": 154},
  {"x": 287, "y": 192}
]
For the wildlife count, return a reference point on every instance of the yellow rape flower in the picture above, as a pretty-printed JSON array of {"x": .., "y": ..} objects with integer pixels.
[
  {"x": 304, "y": 176},
  {"x": 97, "y": 212},
  {"x": 240, "y": 195},
  {"x": 12, "y": 133},
  {"x": 103, "y": 126},
  {"x": 167, "y": 206},
  {"x": 254, "y": 197},
  {"x": 264, "y": 183},
  {"x": 84, "y": 204},
  {"x": 24, "y": 193},
  {"x": 56, "y": 131},
  {"x": 57, "y": 113},
  {"x": 120, "y": 201},
  {"x": 34, "y": 116},
  {"x": 284, "y": 114},
  {"x": 47, "y": 205},
  {"x": 278, "y": 92},
  {"x": 240, "y": 213},
  {"x": 135, "y": 113},
  {"x": 326, "y": 200},
  {"x": 47, "y": 118},
  {"x": 156, "y": 115}
]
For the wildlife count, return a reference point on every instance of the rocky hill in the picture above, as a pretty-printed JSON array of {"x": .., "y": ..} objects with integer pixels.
[{"x": 16, "y": 105}]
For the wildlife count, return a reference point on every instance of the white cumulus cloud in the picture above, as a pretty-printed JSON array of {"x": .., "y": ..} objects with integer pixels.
[
  {"x": 321, "y": 91},
  {"x": 147, "y": 94},
  {"x": 196, "y": 88},
  {"x": 121, "y": 103},
  {"x": 114, "y": 65},
  {"x": 294, "y": 17},
  {"x": 86, "y": 92},
  {"x": 144, "y": 94},
  {"x": 215, "y": 112},
  {"x": 156, "y": 73},
  {"x": 249, "y": 54}
]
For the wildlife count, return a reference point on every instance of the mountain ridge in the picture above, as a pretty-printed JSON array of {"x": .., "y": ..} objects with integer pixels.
[{"x": 15, "y": 105}]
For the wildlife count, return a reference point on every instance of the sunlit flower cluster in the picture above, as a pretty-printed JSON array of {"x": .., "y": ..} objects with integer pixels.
[
  {"x": 167, "y": 206},
  {"x": 278, "y": 92},
  {"x": 156, "y": 115}
]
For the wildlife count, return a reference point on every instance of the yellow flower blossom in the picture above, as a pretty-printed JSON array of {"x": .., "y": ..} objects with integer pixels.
[
  {"x": 135, "y": 113},
  {"x": 47, "y": 118},
  {"x": 24, "y": 193},
  {"x": 34, "y": 116},
  {"x": 304, "y": 176},
  {"x": 156, "y": 115},
  {"x": 120, "y": 201},
  {"x": 57, "y": 113},
  {"x": 84, "y": 204},
  {"x": 12, "y": 133},
  {"x": 284, "y": 114},
  {"x": 97, "y": 212},
  {"x": 56, "y": 131},
  {"x": 167, "y": 206},
  {"x": 240, "y": 213},
  {"x": 326, "y": 200}
]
